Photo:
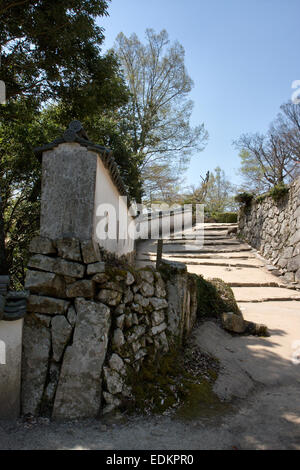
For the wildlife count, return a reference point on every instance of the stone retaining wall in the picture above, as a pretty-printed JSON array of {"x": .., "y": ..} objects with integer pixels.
[
  {"x": 90, "y": 325},
  {"x": 273, "y": 228}
]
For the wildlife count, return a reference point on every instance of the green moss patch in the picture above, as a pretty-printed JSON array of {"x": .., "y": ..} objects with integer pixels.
[
  {"x": 214, "y": 297},
  {"x": 179, "y": 384}
]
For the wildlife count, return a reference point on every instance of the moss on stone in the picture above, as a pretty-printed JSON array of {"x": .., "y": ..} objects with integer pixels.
[
  {"x": 165, "y": 385},
  {"x": 214, "y": 297}
]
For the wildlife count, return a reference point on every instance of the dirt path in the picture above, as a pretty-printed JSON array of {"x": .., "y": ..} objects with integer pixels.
[{"x": 257, "y": 374}]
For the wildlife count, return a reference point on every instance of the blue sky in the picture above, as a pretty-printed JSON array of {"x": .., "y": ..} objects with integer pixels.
[{"x": 242, "y": 55}]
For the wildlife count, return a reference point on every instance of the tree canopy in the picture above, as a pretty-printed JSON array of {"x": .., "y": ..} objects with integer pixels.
[
  {"x": 159, "y": 108},
  {"x": 54, "y": 72},
  {"x": 272, "y": 159}
]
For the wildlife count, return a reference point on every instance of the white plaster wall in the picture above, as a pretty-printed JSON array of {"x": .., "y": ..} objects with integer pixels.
[
  {"x": 10, "y": 373},
  {"x": 106, "y": 193}
]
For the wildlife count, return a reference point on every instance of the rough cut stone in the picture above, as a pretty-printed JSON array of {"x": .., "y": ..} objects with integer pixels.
[
  {"x": 61, "y": 334},
  {"x": 129, "y": 279},
  {"x": 158, "y": 304},
  {"x": 160, "y": 290},
  {"x": 42, "y": 246},
  {"x": 95, "y": 268},
  {"x": 48, "y": 305},
  {"x": 100, "y": 278},
  {"x": 147, "y": 276},
  {"x": 114, "y": 382},
  {"x": 36, "y": 350},
  {"x": 120, "y": 321},
  {"x": 116, "y": 286},
  {"x": 52, "y": 385},
  {"x": 118, "y": 339},
  {"x": 69, "y": 248},
  {"x": 136, "y": 333},
  {"x": 110, "y": 297},
  {"x": 129, "y": 320},
  {"x": 111, "y": 400},
  {"x": 90, "y": 252},
  {"x": 116, "y": 363},
  {"x": 79, "y": 389},
  {"x": 140, "y": 300},
  {"x": 84, "y": 288},
  {"x": 159, "y": 329},
  {"x": 128, "y": 297},
  {"x": 234, "y": 323},
  {"x": 45, "y": 320},
  {"x": 294, "y": 264},
  {"x": 147, "y": 289},
  {"x": 57, "y": 265},
  {"x": 158, "y": 317},
  {"x": 39, "y": 282},
  {"x": 71, "y": 316}
]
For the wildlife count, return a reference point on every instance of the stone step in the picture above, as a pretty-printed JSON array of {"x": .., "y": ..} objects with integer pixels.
[{"x": 265, "y": 294}]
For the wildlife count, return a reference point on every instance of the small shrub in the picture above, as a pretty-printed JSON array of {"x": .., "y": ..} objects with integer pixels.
[
  {"x": 259, "y": 199},
  {"x": 279, "y": 191},
  {"x": 215, "y": 297},
  {"x": 225, "y": 217},
  {"x": 244, "y": 198}
]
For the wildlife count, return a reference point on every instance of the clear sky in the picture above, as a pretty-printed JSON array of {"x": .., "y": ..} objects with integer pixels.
[{"x": 242, "y": 55}]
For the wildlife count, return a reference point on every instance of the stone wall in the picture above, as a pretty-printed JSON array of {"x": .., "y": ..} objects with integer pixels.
[
  {"x": 273, "y": 228},
  {"x": 91, "y": 324}
]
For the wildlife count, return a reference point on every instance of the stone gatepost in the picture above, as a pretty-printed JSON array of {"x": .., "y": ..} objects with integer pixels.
[{"x": 66, "y": 329}]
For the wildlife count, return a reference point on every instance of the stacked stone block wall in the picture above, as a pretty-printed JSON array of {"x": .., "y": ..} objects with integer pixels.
[
  {"x": 91, "y": 324},
  {"x": 273, "y": 228}
]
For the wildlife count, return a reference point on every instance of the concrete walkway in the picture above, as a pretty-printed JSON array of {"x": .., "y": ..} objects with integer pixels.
[{"x": 250, "y": 366}]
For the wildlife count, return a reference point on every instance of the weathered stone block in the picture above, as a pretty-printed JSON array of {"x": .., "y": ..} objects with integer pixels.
[
  {"x": 100, "y": 278},
  {"x": 114, "y": 382},
  {"x": 110, "y": 297},
  {"x": 118, "y": 339},
  {"x": 90, "y": 251},
  {"x": 158, "y": 304},
  {"x": 294, "y": 264},
  {"x": 234, "y": 323},
  {"x": 147, "y": 290},
  {"x": 36, "y": 350},
  {"x": 79, "y": 389},
  {"x": 61, "y": 334},
  {"x": 45, "y": 283},
  {"x": 117, "y": 363},
  {"x": 159, "y": 329},
  {"x": 69, "y": 248},
  {"x": 84, "y": 288},
  {"x": 72, "y": 316},
  {"x": 68, "y": 192},
  {"x": 146, "y": 276},
  {"x": 95, "y": 268},
  {"x": 129, "y": 279},
  {"x": 42, "y": 245},
  {"x": 47, "y": 305},
  {"x": 158, "y": 317},
  {"x": 57, "y": 265},
  {"x": 141, "y": 300}
]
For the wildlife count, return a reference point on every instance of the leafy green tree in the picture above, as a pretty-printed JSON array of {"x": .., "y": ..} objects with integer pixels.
[
  {"x": 159, "y": 109},
  {"x": 50, "y": 54},
  {"x": 252, "y": 173},
  {"x": 51, "y": 50}
]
